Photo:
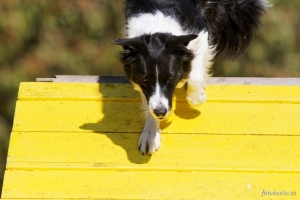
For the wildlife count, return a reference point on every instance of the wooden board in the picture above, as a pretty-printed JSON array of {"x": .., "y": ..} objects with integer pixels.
[
  {"x": 211, "y": 118},
  {"x": 79, "y": 140},
  {"x": 117, "y": 184},
  {"x": 179, "y": 152}
]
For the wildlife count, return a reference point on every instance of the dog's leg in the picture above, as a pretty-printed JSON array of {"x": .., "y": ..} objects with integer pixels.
[
  {"x": 200, "y": 68},
  {"x": 196, "y": 86},
  {"x": 150, "y": 138}
]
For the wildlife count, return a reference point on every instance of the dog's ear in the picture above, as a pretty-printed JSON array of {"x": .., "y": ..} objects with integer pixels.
[
  {"x": 177, "y": 45},
  {"x": 127, "y": 43},
  {"x": 130, "y": 46},
  {"x": 183, "y": 39}
]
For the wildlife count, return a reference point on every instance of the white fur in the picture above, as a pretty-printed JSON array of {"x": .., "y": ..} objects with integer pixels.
[
  {"x": 158, "y": 100},
  {"x": 148, "y": 23},
  {"x": 151, "y": 133},
  {"x": 150, "y": 137},
  {"x": 200, "y": 68}
]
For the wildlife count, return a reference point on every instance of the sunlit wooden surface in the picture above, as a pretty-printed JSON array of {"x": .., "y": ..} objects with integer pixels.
[{"x": 79, "y": 140}]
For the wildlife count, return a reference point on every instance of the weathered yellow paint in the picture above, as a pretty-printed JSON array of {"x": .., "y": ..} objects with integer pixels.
[
  {"x": 124, "y": 92},
  {"x": 212, "y": 117},
  {"x": 79, "y": 141},
  {"x": 179, "y": 152},
  {"x": 147, "y": 184}
]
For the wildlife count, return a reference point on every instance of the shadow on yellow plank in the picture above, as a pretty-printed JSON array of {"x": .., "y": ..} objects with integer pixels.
[{"x": 79, "y": 140}]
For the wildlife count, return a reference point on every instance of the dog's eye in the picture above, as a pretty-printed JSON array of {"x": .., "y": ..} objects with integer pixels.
[
  {"x": 146, "y": 81},
  {"x": 169, "y": 79}
]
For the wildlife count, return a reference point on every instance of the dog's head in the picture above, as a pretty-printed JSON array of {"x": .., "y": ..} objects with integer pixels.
[{"x": 156, "y": 64}]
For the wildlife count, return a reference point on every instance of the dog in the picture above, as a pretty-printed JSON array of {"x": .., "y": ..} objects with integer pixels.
[{"x": 173, "y": 43}]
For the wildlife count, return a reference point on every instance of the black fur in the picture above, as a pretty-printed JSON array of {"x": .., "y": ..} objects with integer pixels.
[
  {"x": 142, "y": 56},
  {"x": 231, "y": 24},
  {"x": 185, "y": 11}
]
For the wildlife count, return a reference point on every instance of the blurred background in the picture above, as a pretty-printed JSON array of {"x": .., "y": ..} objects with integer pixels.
[{"x": 43, "y": 38}]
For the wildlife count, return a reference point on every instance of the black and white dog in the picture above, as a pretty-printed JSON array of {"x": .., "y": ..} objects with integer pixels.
[{"x": 172, "y": 43}]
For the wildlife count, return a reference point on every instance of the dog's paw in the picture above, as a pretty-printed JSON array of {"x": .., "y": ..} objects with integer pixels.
[
  {"x": 149, "y": 141},
  {"x": 196, "y": 96}
]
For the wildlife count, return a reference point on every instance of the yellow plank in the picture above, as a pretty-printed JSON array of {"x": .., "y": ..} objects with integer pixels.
[
  {"x": 179, "y": 152},
  {"x": 147, "y": 185},
  {"x": 253, "y": 93},
  {"x": 78, "y": 140},
  {"x": 77, "y": 91},
  {"x": 213, "y": 117},
  {"x": 122, "y": 92}
]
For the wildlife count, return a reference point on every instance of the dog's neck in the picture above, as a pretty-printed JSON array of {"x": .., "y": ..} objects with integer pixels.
[{"x": 152, "y": 23}]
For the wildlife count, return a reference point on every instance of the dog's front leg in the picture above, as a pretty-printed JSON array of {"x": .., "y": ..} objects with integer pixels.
[
  {"x": 196, "y": 92},
  {"x": 150, "y": 138},
  {"x": 196, "y": 84},
  {"x": 200, "y": 67}
]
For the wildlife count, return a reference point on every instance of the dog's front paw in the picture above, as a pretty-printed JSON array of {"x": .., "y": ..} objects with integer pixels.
[
  {"x": 196, "y": 96},
  {"x": 149, "y": 141}
]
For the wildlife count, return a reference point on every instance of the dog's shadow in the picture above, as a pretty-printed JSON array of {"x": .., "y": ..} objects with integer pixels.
[{"x": 125, "y": 131}]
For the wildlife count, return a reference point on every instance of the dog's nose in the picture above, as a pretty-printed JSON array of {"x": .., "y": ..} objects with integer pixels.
[{"x": 161, "y": 112}]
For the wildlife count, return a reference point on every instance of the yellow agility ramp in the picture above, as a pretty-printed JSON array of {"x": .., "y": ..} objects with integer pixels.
[{"x": 79, "y": 141}]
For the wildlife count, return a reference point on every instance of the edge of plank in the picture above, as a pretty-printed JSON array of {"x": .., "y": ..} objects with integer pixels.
[
  {"x": 34, "y": 91},
  {"x": 211, "y": 80}
]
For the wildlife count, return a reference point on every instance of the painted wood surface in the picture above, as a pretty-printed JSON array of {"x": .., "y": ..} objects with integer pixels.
[{"x": 79, "y": 141}]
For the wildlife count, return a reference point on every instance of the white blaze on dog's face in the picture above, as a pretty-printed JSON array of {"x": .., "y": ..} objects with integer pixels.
[
  {"x": 155, "y": 64},
  {"x": 159, "y": 104}
]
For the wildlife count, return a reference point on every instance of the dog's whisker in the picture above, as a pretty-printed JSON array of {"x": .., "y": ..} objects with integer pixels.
[{"x": 143, "y": 112}]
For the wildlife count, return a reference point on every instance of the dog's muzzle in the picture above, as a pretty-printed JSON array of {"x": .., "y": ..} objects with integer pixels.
[{"x": 160, "y": 113}]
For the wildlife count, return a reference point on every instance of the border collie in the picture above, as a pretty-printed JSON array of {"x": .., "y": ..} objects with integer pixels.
[{"x": 172, "y": 43}]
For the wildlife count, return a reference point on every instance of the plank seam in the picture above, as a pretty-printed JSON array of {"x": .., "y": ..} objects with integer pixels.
[
  {"x": 111, "y": 167},
  {"x": 163, "y": 133},
  {"x": 254, "y": 101}
]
